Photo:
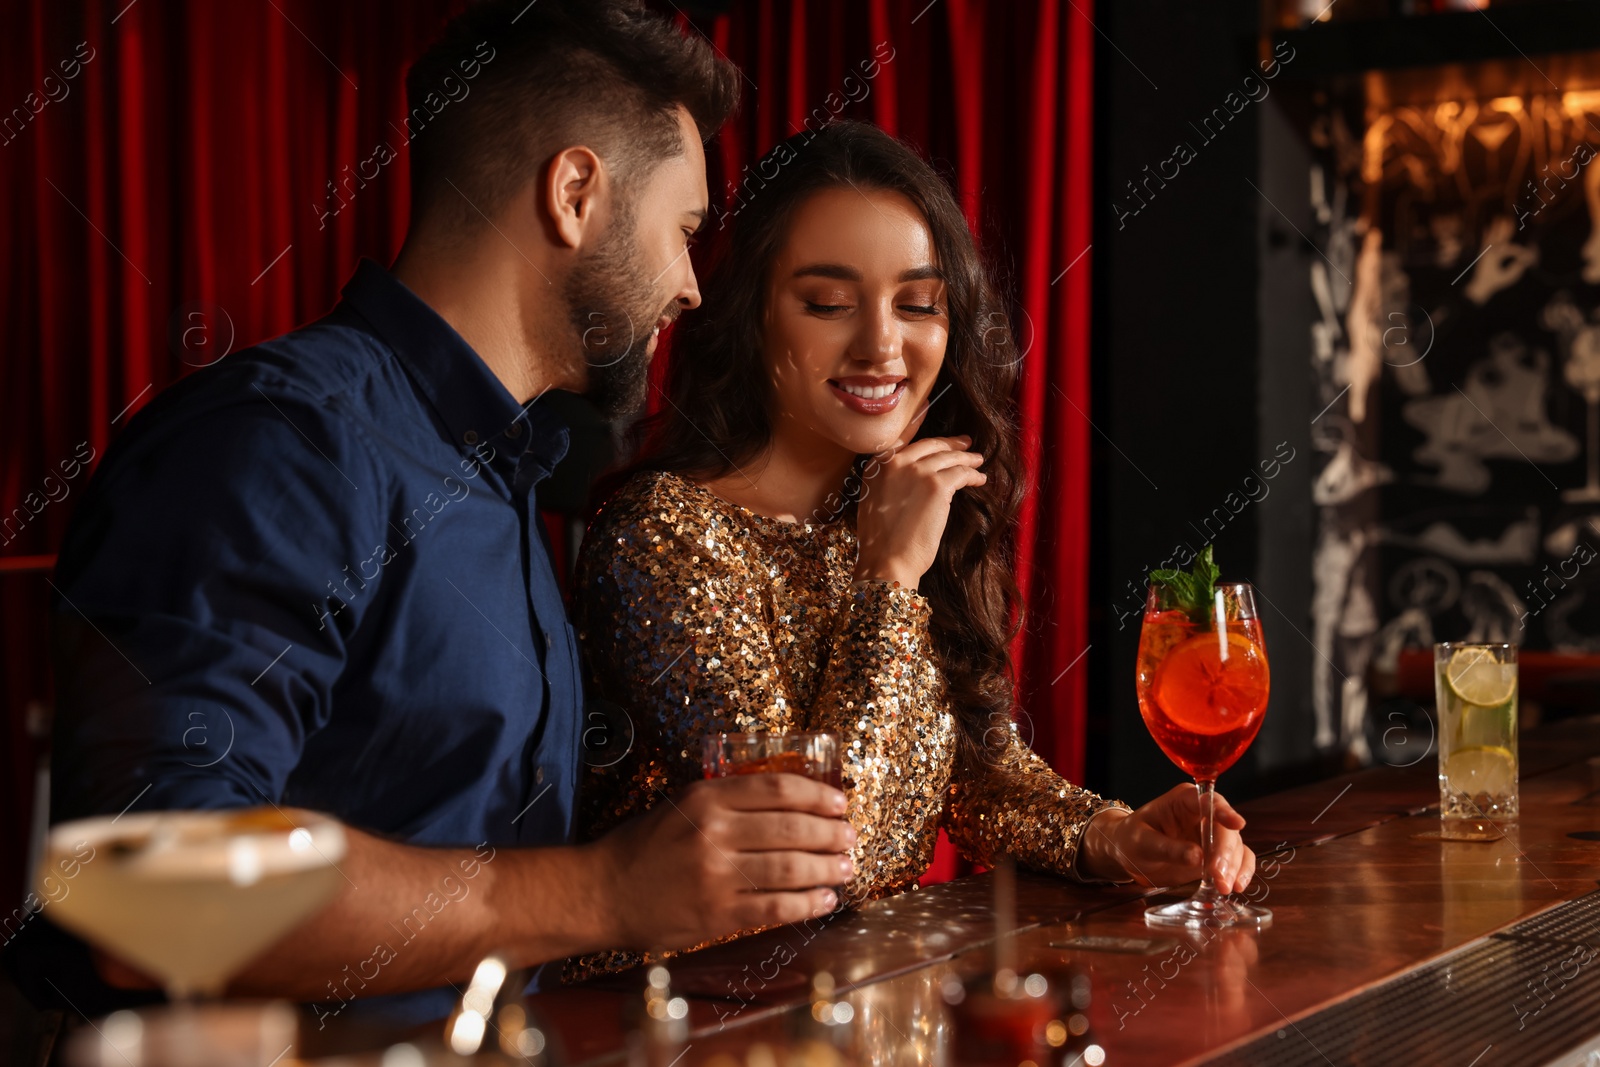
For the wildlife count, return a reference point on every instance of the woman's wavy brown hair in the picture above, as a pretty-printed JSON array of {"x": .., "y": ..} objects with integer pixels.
[{"x": 717, "y": 373}]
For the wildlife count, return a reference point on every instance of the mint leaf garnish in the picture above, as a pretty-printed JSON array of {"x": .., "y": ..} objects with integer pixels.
[{"x": 1192, "y": 593}]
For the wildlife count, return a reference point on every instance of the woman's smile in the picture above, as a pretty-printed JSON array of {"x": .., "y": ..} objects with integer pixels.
[{"x": 869, "y": 395}]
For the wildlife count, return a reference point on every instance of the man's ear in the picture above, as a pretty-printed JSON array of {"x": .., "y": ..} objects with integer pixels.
[{"x": 575, "y": 184}]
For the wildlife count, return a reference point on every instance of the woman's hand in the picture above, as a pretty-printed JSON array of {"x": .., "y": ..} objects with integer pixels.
[
  {"x": 1159, "y": 844},
  {"x": 905, "y": 503}
]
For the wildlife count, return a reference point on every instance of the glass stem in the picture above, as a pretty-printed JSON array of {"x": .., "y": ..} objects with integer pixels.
[{"x": 1208, "y": 803}]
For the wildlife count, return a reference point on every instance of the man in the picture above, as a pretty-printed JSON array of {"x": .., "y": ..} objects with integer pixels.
[{"x": 314, "y": 575}]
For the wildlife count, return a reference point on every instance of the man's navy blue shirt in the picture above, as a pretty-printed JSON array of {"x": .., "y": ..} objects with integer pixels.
[{"x": 314, "y": 574}]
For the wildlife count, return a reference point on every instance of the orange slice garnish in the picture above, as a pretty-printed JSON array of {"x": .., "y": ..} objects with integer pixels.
[{"x": 1202, "y": 690}]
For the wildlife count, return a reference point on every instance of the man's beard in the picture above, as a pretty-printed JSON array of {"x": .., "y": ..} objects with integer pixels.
[{"x": 614, "y": 310}]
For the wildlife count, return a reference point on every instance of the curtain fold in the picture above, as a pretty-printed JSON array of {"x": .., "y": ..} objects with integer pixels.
[
  {"x": 160, "y": 207},
  {"x": 199, "y": 184}
]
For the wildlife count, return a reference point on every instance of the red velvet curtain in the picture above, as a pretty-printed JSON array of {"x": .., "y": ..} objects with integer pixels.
[
  {"x": 164, "y": 170},
  {"x": 182, "y": 178}
]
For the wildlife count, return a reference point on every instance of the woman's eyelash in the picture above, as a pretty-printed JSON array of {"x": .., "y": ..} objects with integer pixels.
[{"x": 918, "y": 309}]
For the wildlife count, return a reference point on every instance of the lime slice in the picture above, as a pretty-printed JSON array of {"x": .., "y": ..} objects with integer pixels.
[
  {"x": 1474, "y": 675},
  {"x": 1475, "y": 771},
  {"x": 1484, "y": 726}
]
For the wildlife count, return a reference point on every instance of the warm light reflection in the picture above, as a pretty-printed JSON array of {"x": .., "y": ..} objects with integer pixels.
[
  {"x": 466, "y": 1035},
  {"x": 903, "y": 1022},
  {"x": 1578, "y": 103},
  {"x": 490, "y": 974},
  {"x": 1483, "y": 887},
  {"x": 403, "y": 1055},
  {"x": 466, "y": 1029}
]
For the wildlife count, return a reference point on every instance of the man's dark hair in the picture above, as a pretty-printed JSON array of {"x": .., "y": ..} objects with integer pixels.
[{"x": 509, "y": 83}]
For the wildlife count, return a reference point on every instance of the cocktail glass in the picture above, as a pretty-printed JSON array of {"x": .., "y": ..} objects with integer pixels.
[
  {"x": 1475, "y": 686},
  {"x": 1202, "y": 686},
  {"x": 807, "y": 753},
  {"x": 192, "y": 896}
]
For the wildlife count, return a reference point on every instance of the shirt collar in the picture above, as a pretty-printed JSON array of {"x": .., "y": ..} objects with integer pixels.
[{"x": 475, "y": 407}]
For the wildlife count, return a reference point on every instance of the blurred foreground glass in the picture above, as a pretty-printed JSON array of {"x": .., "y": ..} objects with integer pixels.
[
  {"x": 809, "y": 754},
  {"x": 215, "y": 1035},
  {"x": 190, "y": 897},
  {"x": 1202, "y": 686},
  {"x": 1475, "y": 686}
]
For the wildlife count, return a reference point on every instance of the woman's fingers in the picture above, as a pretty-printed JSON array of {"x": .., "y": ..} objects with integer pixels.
[
  {"x": 1180, "y": 812},
  {"x": 1180, "y": 804},
  {"x": 1230, "y": 849},
  {"x": 1160, "y": 843},
  {"x": 1228, "y": 861},
  {"x": 939, "y": 461},
  {"x": 1223, "y": 869},
  {"x": 1227, "y": 815},
  {"x": 928, "y": 446},
  {"x": 1247, "y": 870},
  {"x": 1189, "y": 801},
  {"x": 1155, "y": 858},
  {"x": 1150, "y": 847},
  {"x": 954, "y": 479}
]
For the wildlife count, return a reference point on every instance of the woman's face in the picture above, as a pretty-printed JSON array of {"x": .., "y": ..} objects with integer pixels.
[{"x": 856, "y": 322}]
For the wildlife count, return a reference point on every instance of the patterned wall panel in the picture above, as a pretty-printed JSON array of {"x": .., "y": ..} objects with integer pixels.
[{"x": 1456, "y": 359}]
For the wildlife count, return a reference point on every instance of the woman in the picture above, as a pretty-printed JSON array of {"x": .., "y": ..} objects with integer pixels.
[{"x": 821, "y": 536}]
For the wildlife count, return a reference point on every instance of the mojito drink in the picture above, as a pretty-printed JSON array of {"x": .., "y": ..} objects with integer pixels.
[{"x": 1476, "y": 689}]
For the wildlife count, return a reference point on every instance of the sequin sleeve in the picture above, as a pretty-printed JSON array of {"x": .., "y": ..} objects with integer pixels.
[
  {"x": 882, "y": 696},
  {"x": 1020, "y": 808},
  {"x": 683, "y": 630}
]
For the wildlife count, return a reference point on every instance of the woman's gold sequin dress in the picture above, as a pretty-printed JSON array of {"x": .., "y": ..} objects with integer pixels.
[{"x": 698, "y": 615}]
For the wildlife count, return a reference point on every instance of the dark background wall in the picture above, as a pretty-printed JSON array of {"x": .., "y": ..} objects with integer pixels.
[
  {"x": 1195, "y": 388},
  {"x": 1354, "y": 270}
]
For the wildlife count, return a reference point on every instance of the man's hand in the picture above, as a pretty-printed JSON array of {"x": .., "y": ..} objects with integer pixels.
[
  {"x": 727, "y": 854},
  {"x": 1159, "y": 844}
]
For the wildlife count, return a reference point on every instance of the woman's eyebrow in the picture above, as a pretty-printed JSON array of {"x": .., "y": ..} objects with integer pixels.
[
  {"x": 829, "y": 270},
  {"x": 850, "y": 274}
]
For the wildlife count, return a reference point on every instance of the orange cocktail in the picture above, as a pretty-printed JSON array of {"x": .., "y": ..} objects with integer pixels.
[
  {"x": 1202, "y": 691},
  {"x": 1202, "y": 684}
]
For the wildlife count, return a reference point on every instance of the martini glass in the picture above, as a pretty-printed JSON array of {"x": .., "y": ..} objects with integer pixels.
[
  {"x": 1202, "y": 687},
  {"x": 192, "y": 896}
]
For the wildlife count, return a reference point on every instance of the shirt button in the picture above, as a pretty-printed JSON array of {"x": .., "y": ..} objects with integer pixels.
[
  {"x": 470, "y": 437},
  {"x": 549, "y": 642},
  {"x": 515, "y": 430},
  {"x": 538, "y": 776}
]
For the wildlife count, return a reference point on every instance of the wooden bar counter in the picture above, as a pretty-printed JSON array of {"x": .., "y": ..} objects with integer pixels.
[{"x": 1388, "y": 946}]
